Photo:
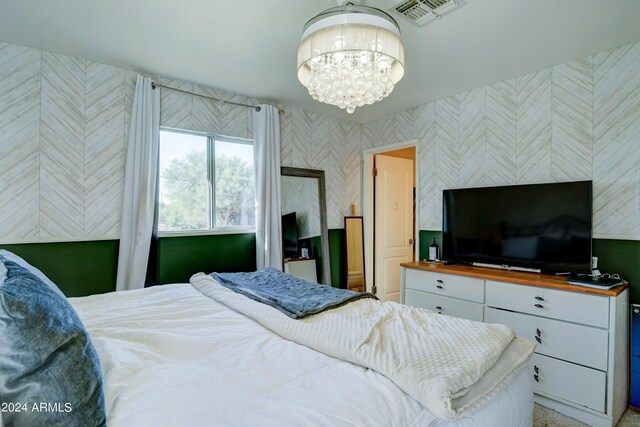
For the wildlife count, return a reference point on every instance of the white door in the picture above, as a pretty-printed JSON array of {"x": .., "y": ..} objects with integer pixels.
[{"x": 393, "y": 223}]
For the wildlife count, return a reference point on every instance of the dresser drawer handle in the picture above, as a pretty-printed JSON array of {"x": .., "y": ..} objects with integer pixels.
[
  {"x": 439, "y": 287},
  {"x": 535, "y": 377},
  {"x": 538, "y": 333},
  {"x": 539, "y": 340},
  {"x": 439, "y": 281},
  {"x": 540, "y": 298},
  {"x": 535, "y": 368},
  {"x": 538, "y": 305},
  {"x": 438, "y": 307}
]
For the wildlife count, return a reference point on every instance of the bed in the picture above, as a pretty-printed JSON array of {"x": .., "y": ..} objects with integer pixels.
[{"x": 170, "y": 355}]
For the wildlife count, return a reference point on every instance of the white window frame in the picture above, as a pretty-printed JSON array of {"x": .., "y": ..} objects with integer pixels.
[{"x": 211, "y": 172}]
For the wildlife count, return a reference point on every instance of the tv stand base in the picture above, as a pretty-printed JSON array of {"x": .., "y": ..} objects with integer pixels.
[{"x": 507, "y": 267}]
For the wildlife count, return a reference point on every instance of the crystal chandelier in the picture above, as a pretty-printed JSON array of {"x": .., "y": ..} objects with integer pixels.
[{"x": 350, "y": 56}]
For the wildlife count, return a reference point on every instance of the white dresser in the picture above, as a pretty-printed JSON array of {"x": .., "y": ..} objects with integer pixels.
[{"x": 581, "y": 334}]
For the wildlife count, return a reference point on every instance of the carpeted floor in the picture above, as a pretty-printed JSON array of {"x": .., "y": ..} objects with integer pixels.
[{"x": 545, "y": 417}]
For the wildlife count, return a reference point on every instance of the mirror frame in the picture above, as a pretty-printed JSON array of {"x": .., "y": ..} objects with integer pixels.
[{"x": 324, "y": 229}]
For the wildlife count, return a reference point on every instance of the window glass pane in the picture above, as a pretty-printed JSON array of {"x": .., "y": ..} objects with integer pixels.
[
  {"x": 184, "y": 188},
  {"x": 235, "y": 186}
]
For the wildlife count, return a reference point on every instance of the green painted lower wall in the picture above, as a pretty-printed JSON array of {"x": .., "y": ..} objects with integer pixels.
[
  {"x": 315, "y": 251},
  {"x": 338, "y": 258},
  {"x": 78, "y": 268},
  {"x": 614, "y": 256},
  {"x": 180, "y": 257},
  {"x": 426, "y": 237},
  {"x": 86, "y": 268},
  {"x": 622, "y": 257}
]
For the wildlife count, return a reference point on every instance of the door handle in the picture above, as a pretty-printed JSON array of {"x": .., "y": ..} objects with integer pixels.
[{"x": 411, "y": 241}]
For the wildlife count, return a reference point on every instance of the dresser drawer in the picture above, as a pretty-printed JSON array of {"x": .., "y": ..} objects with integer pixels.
[
  {"x": 449, "y": 285},
  {"x": 444, "y": 305},
  {"x": 563, "y": 305},
  {"x": 580, "y": 344},
  {"x": 567, "y": 381}
]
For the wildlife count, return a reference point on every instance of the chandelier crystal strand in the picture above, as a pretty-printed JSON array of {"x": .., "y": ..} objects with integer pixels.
[
  {"x": 350, "y": 56},
  {"x": 350, "y": 79}
]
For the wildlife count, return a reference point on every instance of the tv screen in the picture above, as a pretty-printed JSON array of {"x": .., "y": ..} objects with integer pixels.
[
  {"x": 289, "y": 235},
  {"x": 537, "y": 226}
]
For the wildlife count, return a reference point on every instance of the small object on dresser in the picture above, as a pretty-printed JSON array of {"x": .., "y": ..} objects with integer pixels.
[
  {"x": 434, "y": 250},
  {"x": 304, "y": 251},
  {"x": 598, "y": 282}
]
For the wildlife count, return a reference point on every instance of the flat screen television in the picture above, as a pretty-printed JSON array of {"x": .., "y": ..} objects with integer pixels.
[
  {"x": 289, "y": 235},
  {"x": 545, "y": 227}
]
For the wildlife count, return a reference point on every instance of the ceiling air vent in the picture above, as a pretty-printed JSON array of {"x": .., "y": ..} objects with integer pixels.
[{"x": 421, "y": 12}]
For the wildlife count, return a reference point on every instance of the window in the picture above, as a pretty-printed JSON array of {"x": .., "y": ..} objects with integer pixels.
[{"x": 206, "y": 183}]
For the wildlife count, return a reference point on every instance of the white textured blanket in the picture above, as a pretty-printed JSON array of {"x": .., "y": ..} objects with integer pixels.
[{"x": 452, "y": 366}]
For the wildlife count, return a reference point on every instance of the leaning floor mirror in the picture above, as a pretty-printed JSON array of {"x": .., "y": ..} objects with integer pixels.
[
  {"x": 354, "y": 242},
  {"x": 305, "y": 241}
]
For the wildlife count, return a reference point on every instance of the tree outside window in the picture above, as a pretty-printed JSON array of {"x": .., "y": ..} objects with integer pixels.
[{"x": 202, "y": 174}]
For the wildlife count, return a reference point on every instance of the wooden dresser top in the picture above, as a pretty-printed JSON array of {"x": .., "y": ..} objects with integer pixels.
[{"x": 520, "y": 277}]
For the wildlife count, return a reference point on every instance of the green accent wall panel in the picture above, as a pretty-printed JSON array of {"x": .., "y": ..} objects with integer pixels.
[
  {"x": 314, "y": 244},
  {"x": 90, "y": 267},
  {"x": 426, "y": 237},
  {"x": 181, "y": 257},
  {"x": 622, "y": 257},
  {"x": 77, "y": 268},
  {"x": 338, "y": 257}
]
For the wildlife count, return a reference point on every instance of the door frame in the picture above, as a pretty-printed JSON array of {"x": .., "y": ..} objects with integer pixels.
[{"x": 368, "y": 205}]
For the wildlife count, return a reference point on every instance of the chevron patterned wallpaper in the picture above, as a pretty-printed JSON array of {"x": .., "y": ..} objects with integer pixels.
[
  {"x": 64, "y": 122},
  {"x": 316, "y": 141},
  {"x": 63, "y": 126},
  {"x": 575, "y": 121}
]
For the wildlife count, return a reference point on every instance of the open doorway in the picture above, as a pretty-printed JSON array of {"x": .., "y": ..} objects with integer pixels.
[{"x": 389, "y": 215}]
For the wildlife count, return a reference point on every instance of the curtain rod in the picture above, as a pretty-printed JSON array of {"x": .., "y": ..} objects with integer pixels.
[{"x": 257, "y": 107}]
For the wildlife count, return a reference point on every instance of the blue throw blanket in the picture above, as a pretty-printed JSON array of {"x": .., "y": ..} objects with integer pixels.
[{"x": 294, "y": 297}]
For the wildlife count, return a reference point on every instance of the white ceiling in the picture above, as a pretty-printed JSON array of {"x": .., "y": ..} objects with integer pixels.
[{"x": 249, "y": 46}]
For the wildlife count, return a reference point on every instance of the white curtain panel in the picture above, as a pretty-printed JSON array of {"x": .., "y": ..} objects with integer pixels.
[
  {"x": 139, "y": 187},
  {"x": 266, "y": 153}
]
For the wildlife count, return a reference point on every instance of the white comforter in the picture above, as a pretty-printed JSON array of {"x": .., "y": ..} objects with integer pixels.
[
  {"x": 172, "y": 357},
  {"x": 450, "y": 365}
]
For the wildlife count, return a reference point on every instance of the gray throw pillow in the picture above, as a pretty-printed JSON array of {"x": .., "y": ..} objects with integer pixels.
[{"x": 50, "y": 372}]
